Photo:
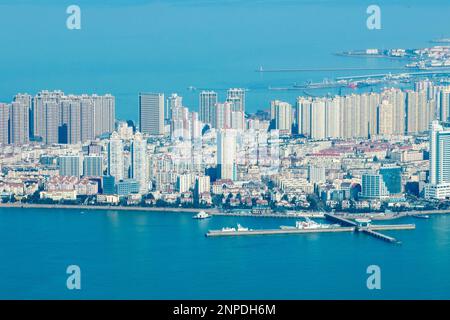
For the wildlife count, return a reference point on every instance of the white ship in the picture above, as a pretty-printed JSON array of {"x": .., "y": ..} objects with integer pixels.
[
  {"x": 241, "y": 228},
  {"x": 201, "y": 215},
  {"x": 226, "y": 229},
  {"x": 309, "y": 224}
]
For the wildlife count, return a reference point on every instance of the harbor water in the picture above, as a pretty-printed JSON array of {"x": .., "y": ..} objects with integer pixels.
[{"x": 150, "y": 255}]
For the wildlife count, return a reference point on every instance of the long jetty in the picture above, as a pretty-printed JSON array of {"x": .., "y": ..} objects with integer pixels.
[
  {"x": 379, "y": 235},
  {"x": 220, "y": 233},
  {"x": 346, "y": 225},
  {"x": 370, "y": 229}
]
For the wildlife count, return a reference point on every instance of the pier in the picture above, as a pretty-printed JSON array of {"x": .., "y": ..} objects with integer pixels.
[
  {"x": 379, "y": 235},
  {"x": 220, "y": 233},
  {"x": 346, "y": 225},
  {"x": 340, "y": 220},
  {"x": 436, "y": 71},
  {"x": 393, "y": 227},
  {"x": 369, "y": 229},
  {"x": 280, "y": 70}
]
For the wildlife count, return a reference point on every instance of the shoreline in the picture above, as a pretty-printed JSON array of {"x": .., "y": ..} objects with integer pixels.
[
  {"x": 218, "y": 212},
  {"x": 117, "y": 208}
]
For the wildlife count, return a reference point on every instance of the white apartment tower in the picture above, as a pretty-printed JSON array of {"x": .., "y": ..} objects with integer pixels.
[
  {"x": 139, "y": 162},
  {"x": 151, "y": 113},
  {"x": 439, "y": 186},
  {"x": 116, "y": 157},
  {"x": 208, "y": 100},
  {"x": 226, "y": 154}
]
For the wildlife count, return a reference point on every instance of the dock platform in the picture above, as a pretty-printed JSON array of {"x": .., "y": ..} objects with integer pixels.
[
  {"x": 346, "y": 225},
  {"x": 379, "y": 235},
  {"x": 220, "y": 233}
]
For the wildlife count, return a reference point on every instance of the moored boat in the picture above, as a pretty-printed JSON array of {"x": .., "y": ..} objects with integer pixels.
[{"x": 201, "y": 215}]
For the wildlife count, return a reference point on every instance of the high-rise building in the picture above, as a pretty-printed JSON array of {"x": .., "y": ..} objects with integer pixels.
[
  {"x": 151, "y": 113},
  {"x": 373, "y": 101},
  {"x": 236, "y": 96},
  {"x": 87, "y": 119},
  {"x": 50, "y": 125},
  {"x": 350, "y": 116},
  {"x": 108, "y": 185},
  {"x": 196, "y": 126},
  {"x": 173, "y": 102},
  {"x": 392, "y": 178},
  {"x": 184, "y": 182},
  {"x": 69, "y": 166},
  {"x": 116, "y": 157},
  {"x": 417, "y": 113},
  {"x": 19, "y": 123},
  {"x": 70, "y": 119},
  {"x": 44, "y": 103},
  {"x": 124, "y": 130},
  {"x": 207, "y": 102},
  {"x": 444, "y": 104},
  {"x": 385, "y": 118},
  {"x": 237, "y": 120},
  {"x": 303, "y": 116},
  {"x": 318, "y": 117},
  {"x": 282, "y": 112},
  {"x": 396, "y": 99},
  {"x": 139, "y": 161},
  {"x": 226, "y": 154},
  {"x": 373, "y": 186},
  {"x": 104, "y": 113},
  {"x": 74, "y": 121},
  {"x": 93, "y": 166},
  {"x": 180, "y": 123},
  {"x": 4, "y": 123},
  {"x": 202, "y": 185},
  {"x": 221, "y": 117},
  {"x": 332, "y": 120},
  {"x": 26, "y": 100},
  {"x": 439, "y": 186}
]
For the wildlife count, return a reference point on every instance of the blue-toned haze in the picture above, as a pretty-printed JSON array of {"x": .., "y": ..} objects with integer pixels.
[{"x": 125, "y": 47}]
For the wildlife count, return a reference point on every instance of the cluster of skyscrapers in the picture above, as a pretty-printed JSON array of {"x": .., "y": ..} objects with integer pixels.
[
  {"x": 53, "y": 117},
  {"x": 155, "y": 112},
  {"x": 391, "y": 112}
]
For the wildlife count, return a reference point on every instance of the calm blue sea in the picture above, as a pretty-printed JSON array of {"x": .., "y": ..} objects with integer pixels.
[{"x": 128, "y": 255}]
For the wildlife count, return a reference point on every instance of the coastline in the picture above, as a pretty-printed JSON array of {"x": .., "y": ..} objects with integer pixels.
[
  {"x": 91, "y": 207},
  {"x": 218, "y": 212}
]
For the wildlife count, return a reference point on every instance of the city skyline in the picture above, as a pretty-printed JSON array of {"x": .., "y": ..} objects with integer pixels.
[{"x": 225, "y": 150}]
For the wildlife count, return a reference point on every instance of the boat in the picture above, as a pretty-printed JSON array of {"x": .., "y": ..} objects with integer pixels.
[
  {"x": 201, "y": 215},
  {"x": 241, "y": 228},
  {"x": 226, "y": 229},
  {"x": 440, "y": 40},
  {"x": 421, "y": 216},
  {"x": 309, "y": 224}
]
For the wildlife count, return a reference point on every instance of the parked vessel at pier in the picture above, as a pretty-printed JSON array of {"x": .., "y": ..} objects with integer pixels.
[
  {"x": 309, "y": 224},
  {"x": 201, "y": 215}
]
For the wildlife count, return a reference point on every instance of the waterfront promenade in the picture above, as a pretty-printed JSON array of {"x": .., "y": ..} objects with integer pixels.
[
  {"x": 115, "y": 208},
  {"x": 219, "y": 212}
]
